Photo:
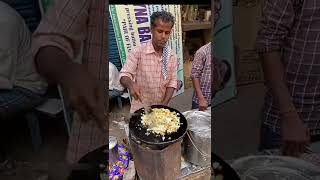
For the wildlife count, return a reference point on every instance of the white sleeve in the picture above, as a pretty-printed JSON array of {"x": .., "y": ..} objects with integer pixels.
[{"x": 8, "y": 46}]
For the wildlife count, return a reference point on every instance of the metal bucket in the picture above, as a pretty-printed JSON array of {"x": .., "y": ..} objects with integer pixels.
[
  {"x": 156, "y": 158},
  {"x": 164, "y": 164},
  {"x": 197, "y": 143}
]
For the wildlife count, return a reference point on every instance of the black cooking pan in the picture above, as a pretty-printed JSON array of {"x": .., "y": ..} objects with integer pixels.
[
  {"x": 138, "y": 132},
  {"x": 92, "y": 160},
  {"x": 225, "y": 170}
]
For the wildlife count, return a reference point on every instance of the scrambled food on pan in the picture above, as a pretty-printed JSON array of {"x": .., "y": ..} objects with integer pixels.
[{"x": 161, "y": 121}]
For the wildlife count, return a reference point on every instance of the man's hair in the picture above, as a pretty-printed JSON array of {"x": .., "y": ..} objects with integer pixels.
[{"x": 164, "y": 16}]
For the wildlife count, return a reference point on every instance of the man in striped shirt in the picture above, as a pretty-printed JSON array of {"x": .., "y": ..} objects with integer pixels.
[
  {"x": 76, "y": 30},
  {"x": 150, "y": 72},
  {"x": 289, "y": 41},
  {"x": 201, "y": 78}
]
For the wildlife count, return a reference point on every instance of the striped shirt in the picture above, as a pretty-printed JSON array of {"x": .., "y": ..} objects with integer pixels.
[
  {"x": 201, "y": 69},
  {"x": 293, "y": 28},
  {"x": 79, "y": 28},
  {"x": 144, "y": 67}
]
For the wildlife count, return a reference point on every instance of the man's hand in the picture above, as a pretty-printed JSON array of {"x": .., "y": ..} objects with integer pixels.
[
  {"x": 203, "y": 104},
  {"x": 86, "y": 96},
  {"x": 295, "y": 136},
  {"x": 134, "y": 90},
  {"x": 167, "y": 96}
]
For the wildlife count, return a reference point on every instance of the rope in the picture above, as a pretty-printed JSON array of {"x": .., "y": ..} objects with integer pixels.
[{"x": 202, "y": 153}]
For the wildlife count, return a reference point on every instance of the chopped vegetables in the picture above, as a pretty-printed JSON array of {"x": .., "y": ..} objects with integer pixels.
[{"x": 161, "y": 121}]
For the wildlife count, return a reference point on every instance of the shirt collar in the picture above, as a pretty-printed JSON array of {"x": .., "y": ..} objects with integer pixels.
[{"x": 150, "y": 48}]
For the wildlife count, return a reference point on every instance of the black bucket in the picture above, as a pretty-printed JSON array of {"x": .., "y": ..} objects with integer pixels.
[{"x": 137, "y": 132}]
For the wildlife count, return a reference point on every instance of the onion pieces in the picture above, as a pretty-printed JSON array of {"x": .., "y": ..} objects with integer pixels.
[{"x": 161, "y": 121}]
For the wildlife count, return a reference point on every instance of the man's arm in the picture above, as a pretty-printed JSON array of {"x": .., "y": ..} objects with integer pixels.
[
  {"x": 196, "y": 85},
  {"x": 278, "y": 17},
  {"x": 274, "y": 75},
  {"x": 128, "y": 72},
  {"x": 173, "y": 83},
  {"x": 56, "y": 42},
  {"x": 197, "y": 68},
  {"x": 126, "y": 82},
  {"x": 54, "y": 64},
  {"x": 168, "y": 95},
  {"x": 134, "y": 90},
  {"x": 58, "y": 39}
]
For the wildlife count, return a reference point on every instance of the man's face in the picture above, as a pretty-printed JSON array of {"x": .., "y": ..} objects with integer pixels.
[{"x": 161, "y": 33}]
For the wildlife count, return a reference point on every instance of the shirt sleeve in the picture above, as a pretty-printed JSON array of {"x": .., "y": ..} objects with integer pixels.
[
  {"x": 277, "y": 19},
  {"x": 197, "y": 64},
  {"x": 64, "y": 26},
  {"x": 130, "y": 67},
  {"x": 173, "y": 82}
]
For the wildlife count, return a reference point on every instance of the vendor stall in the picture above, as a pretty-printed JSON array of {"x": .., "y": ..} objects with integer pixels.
[
  {"x": 126, "y": 163},
  {"x": 190, "y": 154}
]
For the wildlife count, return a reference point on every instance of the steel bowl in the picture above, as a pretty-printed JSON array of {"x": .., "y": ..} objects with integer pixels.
[{"x": 113, "y": 150}]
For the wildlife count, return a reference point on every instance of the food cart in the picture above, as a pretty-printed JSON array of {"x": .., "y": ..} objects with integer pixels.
[{"x": 119, "y": 128}]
